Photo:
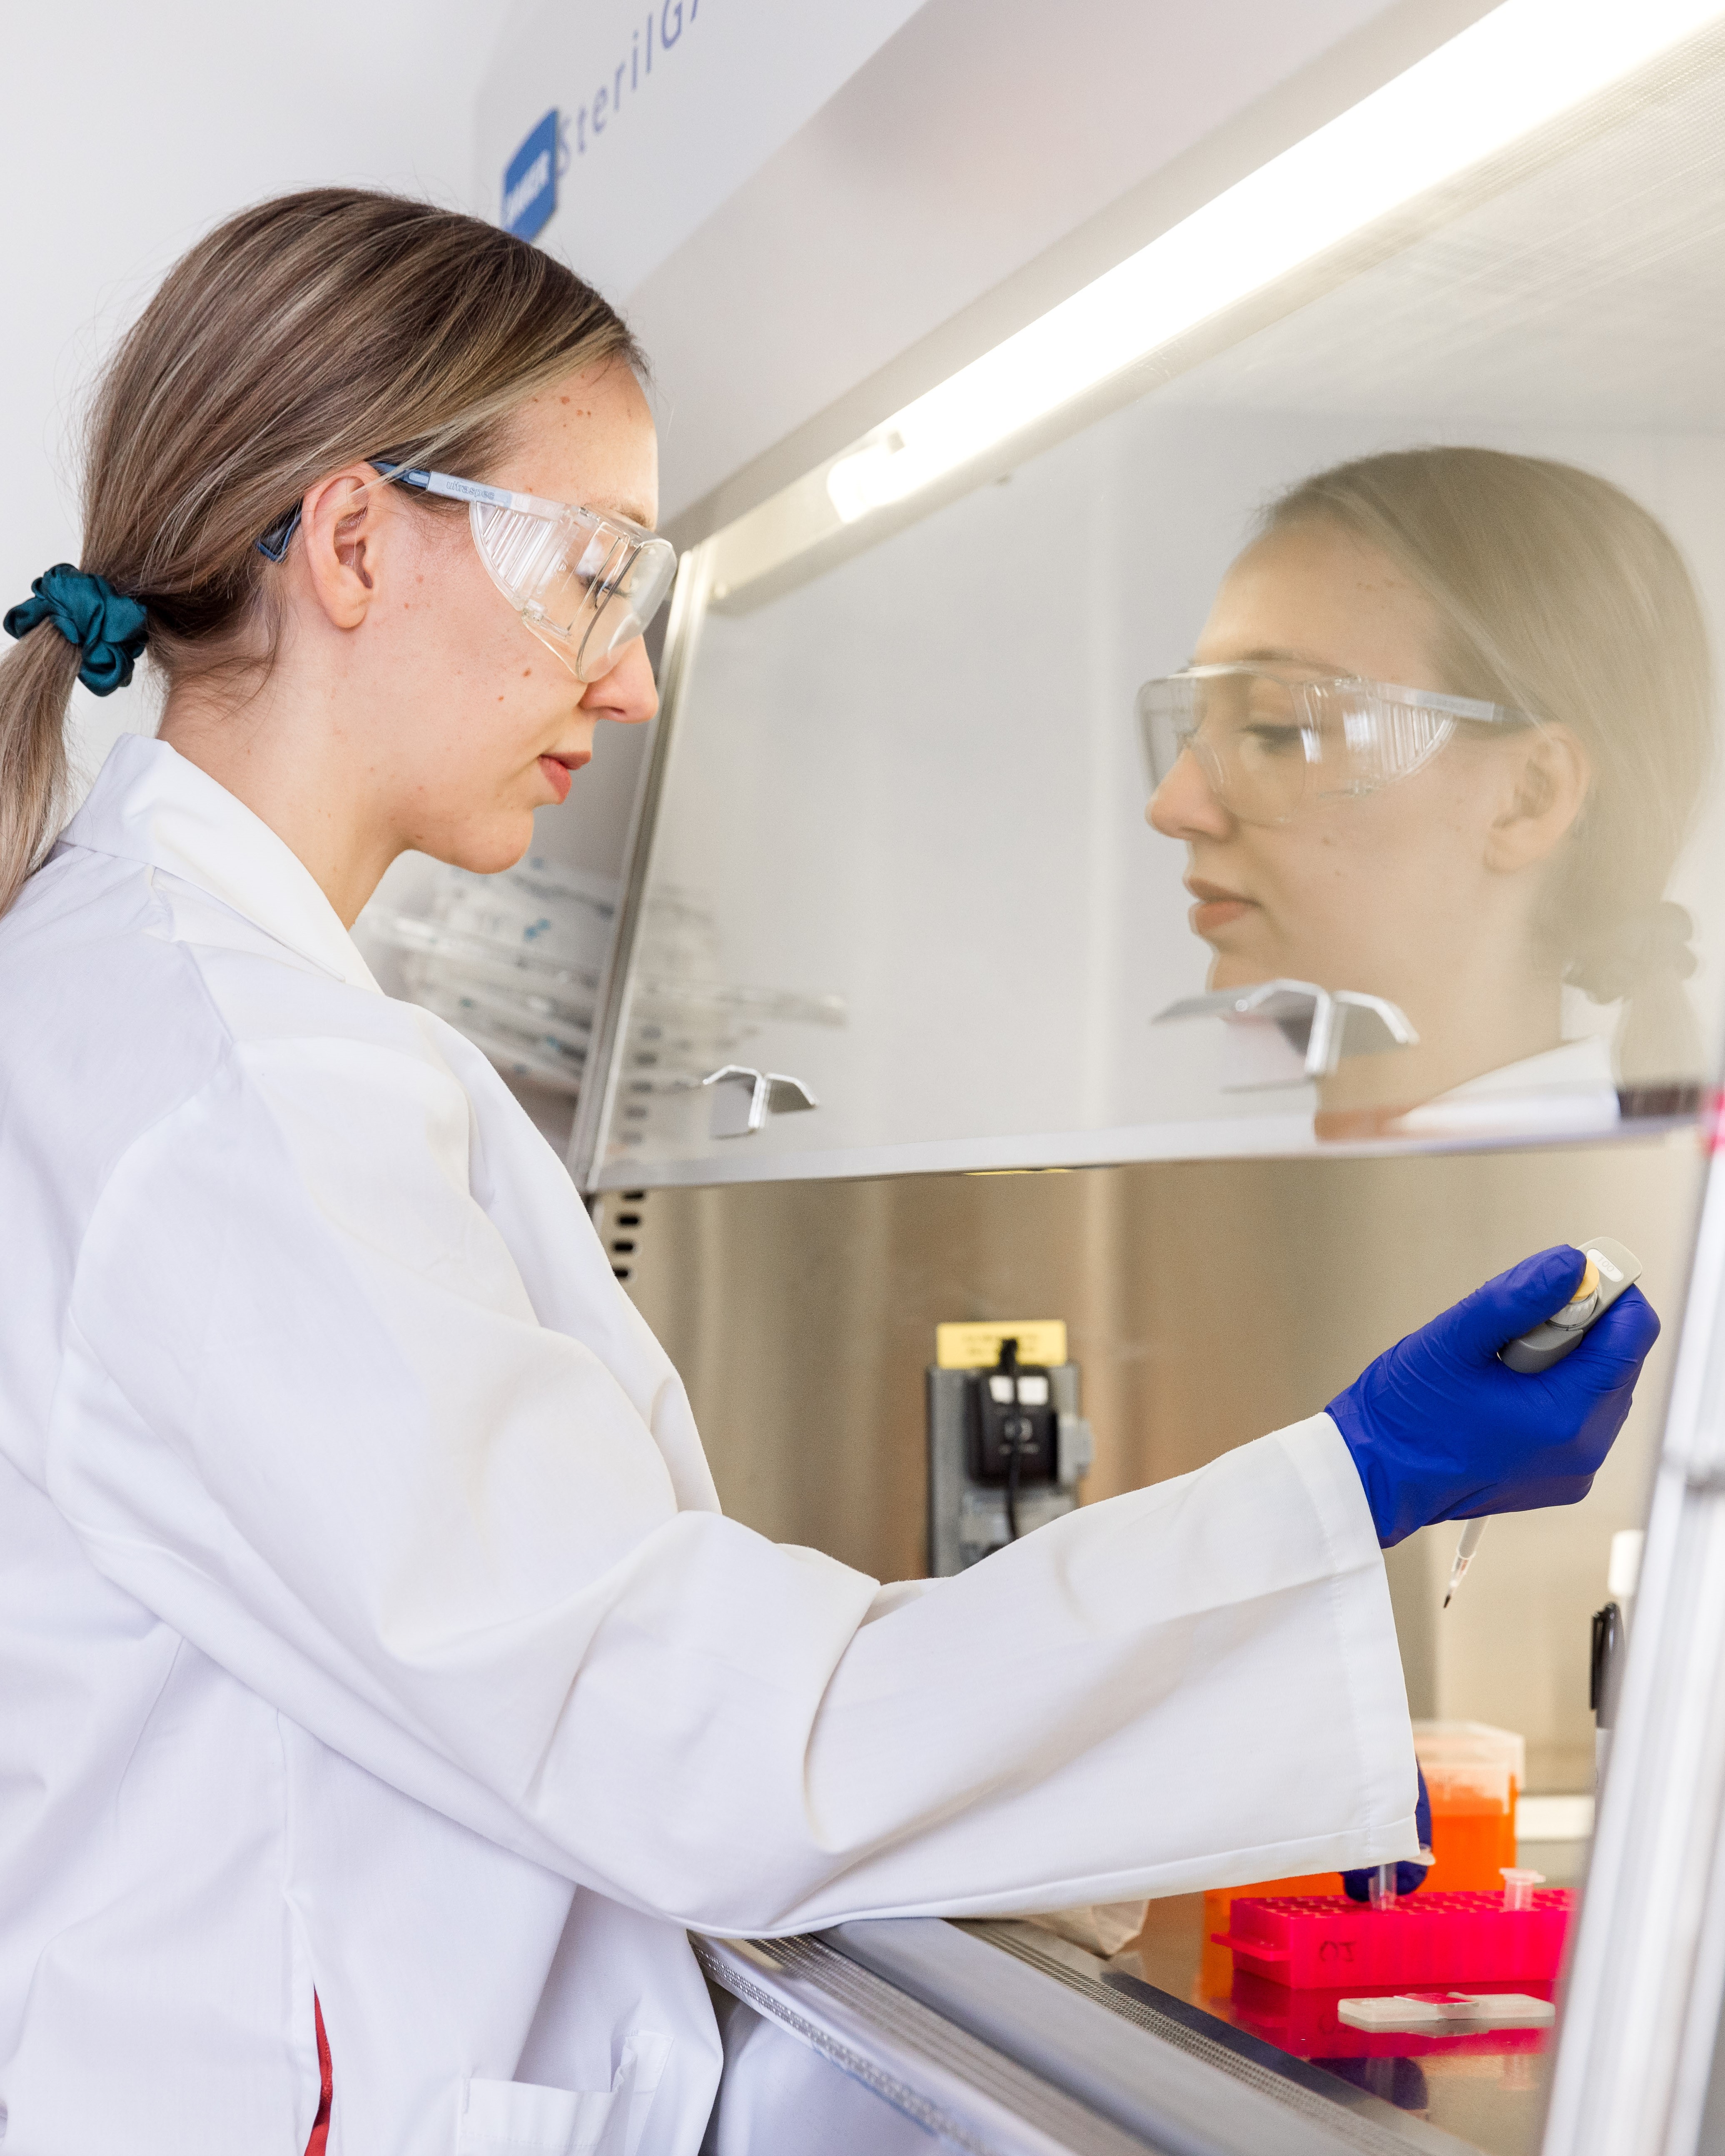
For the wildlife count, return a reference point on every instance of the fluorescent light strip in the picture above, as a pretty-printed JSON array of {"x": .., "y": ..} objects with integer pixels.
[{"x": 1524, "y": 64}]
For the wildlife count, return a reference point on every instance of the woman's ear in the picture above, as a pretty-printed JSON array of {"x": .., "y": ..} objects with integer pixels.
[
  {"x": 340, "y": 533},
  {"x": 1547, "y": 779}
]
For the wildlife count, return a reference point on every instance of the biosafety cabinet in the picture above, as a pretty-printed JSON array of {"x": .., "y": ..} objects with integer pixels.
[{"x": 1367, "y": 523}]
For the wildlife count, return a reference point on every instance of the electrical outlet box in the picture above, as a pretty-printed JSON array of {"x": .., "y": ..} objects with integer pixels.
[
  {"x": 1007, "y": 1446},
  {"x": 1014, "y": 1428}
]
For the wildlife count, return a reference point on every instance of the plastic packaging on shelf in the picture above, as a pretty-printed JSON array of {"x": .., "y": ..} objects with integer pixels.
[
  {"x": 1421, "y": 1939},
  {"x": 512, "y": 961}
]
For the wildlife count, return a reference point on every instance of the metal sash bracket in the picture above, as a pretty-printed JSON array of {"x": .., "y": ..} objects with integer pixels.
[
  {"x": 744, "y": 1098},
  {"x": 1289, "y": 1033}
]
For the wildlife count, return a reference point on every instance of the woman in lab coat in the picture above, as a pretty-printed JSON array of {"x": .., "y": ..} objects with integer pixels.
[
  {"x": 382, "y": 1684},
  {"x": 1346, "y": 822}
]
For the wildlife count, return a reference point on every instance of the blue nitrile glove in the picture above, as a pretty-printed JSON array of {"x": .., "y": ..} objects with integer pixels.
[
  {"x": 1356, "y": 1885},
  {"x": 1440, "y": 1429}
]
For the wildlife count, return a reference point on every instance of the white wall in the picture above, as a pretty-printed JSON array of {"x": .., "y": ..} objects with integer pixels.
[{"x": 127, "y": 131}]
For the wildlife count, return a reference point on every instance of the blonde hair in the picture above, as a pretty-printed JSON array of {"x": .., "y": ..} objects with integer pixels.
[
  {"x": 1558, "y": 594},
  {"x": 314, "y": 330}
]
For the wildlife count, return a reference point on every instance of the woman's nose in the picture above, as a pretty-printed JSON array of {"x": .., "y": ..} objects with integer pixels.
[
  {"x": 625, "y": 693},
  {"x": 1184, "y": 806}
]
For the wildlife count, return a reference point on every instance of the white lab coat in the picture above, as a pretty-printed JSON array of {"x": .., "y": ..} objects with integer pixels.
[
  {"x": 1566, "y": 1091},
  {"x": 370, "y": 1623}
]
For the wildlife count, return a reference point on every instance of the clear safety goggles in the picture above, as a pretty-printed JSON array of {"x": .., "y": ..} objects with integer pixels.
[
  {"x": 1270, "y": 740},
  {"x": 585, "y": 584}
]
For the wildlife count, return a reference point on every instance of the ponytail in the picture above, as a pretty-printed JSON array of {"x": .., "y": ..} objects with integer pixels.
[
  {"x": 36, "y": 678},
  {"x": 1641, "y": 961}
]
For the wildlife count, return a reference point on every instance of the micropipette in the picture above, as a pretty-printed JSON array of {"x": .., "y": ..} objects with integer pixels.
[
  {"x": 1465, "y": 1549},
  {"x": 1611, "y": 1267}
]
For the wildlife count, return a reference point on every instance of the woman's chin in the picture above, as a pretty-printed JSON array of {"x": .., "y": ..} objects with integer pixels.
[
  {"x": 487, "y": 848},
  {"x": 1239, "y": 969}
]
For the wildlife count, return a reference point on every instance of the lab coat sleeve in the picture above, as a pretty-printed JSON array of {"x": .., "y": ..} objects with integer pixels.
[{"x": 312, "y": 1416}]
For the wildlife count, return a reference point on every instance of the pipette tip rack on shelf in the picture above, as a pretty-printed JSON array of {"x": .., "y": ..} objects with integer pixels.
[{"x": 1322, "y": 1941}]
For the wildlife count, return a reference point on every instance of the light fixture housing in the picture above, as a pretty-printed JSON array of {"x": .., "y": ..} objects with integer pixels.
[{"x": 1464, "y": 120}]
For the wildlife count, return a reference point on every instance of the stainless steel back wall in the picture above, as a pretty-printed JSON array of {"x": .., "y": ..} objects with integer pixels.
[{"x": 1208, "y": 1302}]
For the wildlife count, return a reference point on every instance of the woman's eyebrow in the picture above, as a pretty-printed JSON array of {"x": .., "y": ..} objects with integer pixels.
[
  {"x": 595, "y": 505},
  {"x": 1277, "y": 655},
  {"x": 635, "y": 511},
  {"x": 1283, "y": 655}
]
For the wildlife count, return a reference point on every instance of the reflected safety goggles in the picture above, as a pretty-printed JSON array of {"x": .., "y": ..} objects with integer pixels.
[
  {"x": 1270, "y": 741},
  {"x": 585, "y": 584}
]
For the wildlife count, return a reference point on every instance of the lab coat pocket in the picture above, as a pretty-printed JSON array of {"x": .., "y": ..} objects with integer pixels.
[{"x": 519, "y": 2118}]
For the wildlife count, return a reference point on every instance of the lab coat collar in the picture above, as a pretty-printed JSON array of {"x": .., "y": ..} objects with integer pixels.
[{"x": 149, "y": 804}]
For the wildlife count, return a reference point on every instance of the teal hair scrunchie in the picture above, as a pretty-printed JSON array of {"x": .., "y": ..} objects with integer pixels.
[{"x": 109, "y": 630}]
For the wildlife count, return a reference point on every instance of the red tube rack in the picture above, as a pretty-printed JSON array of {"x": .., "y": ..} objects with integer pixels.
[{"x": 1322, "y": 1941}]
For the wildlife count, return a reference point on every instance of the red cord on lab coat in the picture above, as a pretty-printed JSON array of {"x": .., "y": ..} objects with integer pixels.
[{"x": 319, "y": 2140}]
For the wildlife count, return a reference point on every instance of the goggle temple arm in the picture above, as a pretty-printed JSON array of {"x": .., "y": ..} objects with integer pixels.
[{"x": 276, "y": 541}]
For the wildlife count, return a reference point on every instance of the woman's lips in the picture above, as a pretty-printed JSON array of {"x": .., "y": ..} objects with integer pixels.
[
  {"x": 1216, "y": 907},
  {"x": 560, "y": 772}
]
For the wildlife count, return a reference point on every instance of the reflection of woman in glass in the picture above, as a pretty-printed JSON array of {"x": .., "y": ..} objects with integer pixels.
[{"x": 1500, "y": 820}]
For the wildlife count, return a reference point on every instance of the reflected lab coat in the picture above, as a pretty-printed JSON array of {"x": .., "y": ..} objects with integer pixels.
[{"x": 370, "y": 1626}]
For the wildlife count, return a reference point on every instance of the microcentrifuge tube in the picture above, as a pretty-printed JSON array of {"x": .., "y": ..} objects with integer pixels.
[{"x": 1518, "y": 1885}]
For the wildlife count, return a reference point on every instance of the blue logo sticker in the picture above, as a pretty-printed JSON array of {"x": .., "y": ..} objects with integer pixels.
[{"x": 530, "y": 180}]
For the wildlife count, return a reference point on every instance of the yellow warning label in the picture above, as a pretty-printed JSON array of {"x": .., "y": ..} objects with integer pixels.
[{"x": 976, "y": 1346}]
